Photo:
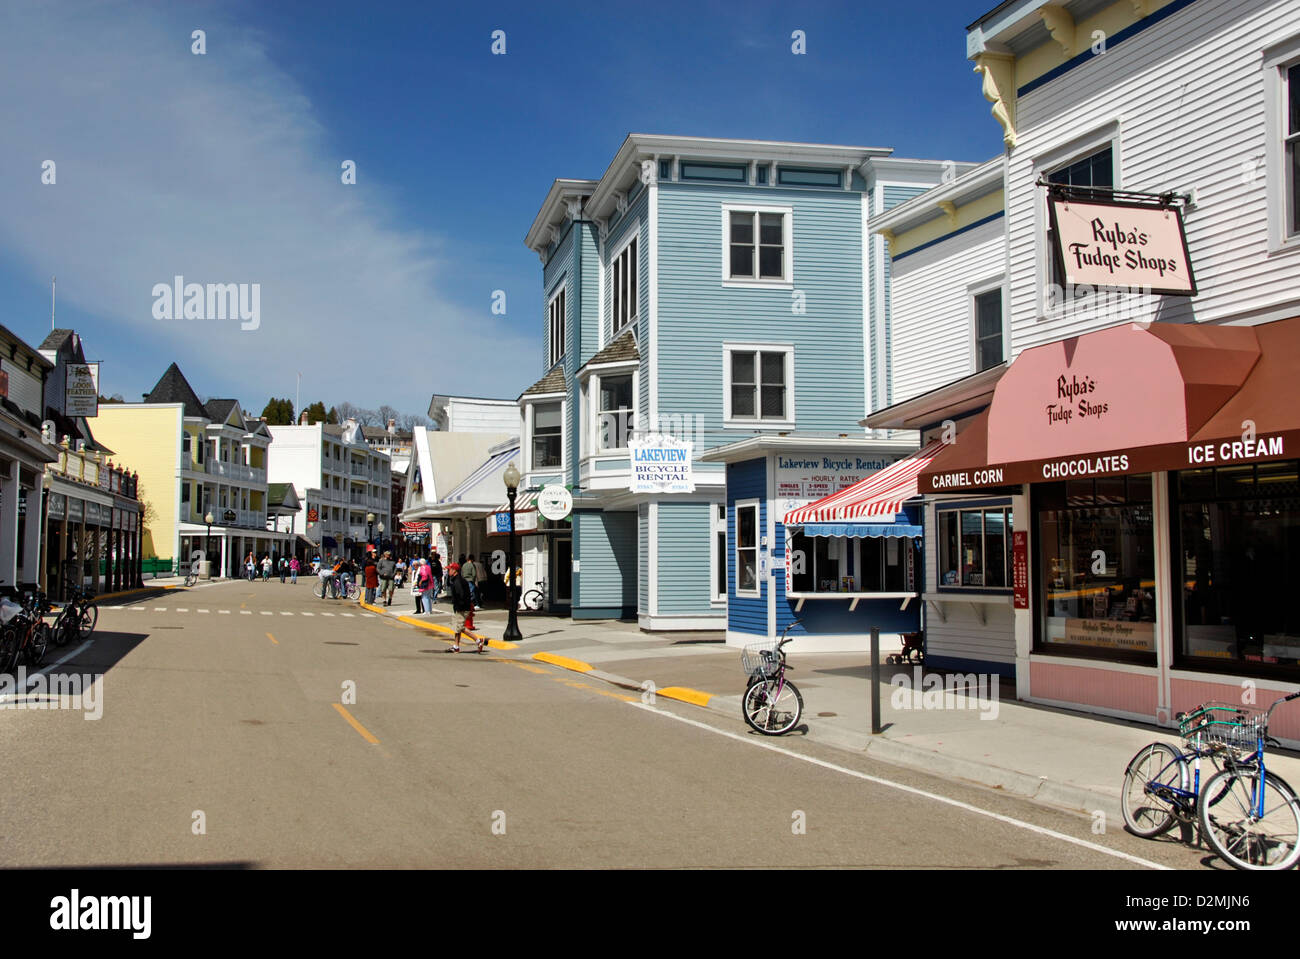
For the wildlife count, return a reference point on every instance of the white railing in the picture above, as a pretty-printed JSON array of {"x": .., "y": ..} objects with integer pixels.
[{"x": 235, "y": 471}]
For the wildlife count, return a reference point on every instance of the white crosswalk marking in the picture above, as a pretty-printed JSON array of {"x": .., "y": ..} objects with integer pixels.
[
  {"x": 266, "y": 612},
  {"x": 182, "y": 609},
  {"x": 224, "y": 612},
  {"x": 349, "y": 615},
  {"x": 308, "y": 614},
  {"x": 327, "y": 614},
  {"x": 245, "y": 612},
  {"x": 285, "y": 612},
  {"x": 203, "y": 611},
  {"x": 160, "y": 609}
]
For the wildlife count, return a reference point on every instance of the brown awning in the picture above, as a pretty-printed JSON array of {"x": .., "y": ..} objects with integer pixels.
[{"x": 1132, "y": 400}]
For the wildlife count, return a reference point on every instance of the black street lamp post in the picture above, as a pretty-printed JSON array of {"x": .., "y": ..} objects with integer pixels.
[
  {"x": 207, "y": 543},
  {"x": 370, "y": 528},
  {"x": 512, "y": 634}
]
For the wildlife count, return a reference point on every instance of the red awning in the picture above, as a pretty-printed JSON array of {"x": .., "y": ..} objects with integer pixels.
[
  {"x": 882, "y": 494},
  {"x": 1131, "y": 399},
  {"x": 415, "y": 527}
]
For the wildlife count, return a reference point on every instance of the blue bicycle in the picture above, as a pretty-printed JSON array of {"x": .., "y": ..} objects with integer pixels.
[{"x": 1248, "y": 815}]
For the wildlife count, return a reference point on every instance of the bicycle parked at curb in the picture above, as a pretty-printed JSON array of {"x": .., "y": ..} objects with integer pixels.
[
  {"x": 77, "y": 618},
  {"x": 1247, "y": 814},
  {"x": 25, "y": 636},
  {"x": 771, "y": 705}
]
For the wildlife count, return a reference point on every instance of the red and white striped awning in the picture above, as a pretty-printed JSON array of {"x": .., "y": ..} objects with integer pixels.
[{"x": 883, "y": 493}]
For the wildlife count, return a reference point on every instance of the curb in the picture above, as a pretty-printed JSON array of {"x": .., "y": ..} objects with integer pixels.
[{"x": 438, "y": 627}]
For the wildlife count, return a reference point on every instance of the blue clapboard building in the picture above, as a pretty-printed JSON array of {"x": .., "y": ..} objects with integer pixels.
[{"x": 725, "y": 294}]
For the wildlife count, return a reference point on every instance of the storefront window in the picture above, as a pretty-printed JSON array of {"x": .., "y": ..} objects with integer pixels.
[
  {"x": 850, "y": 564},
  {"x": 974, "y": 548},
  {"x": 1097, "y": 566},
  {"x": 1239, "y": 554}
]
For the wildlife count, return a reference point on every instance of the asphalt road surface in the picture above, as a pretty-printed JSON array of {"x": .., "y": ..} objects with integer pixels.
[{"x": 255, "y": 725}]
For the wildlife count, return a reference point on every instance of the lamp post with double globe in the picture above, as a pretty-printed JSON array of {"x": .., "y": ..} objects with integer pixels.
[
  {"x": 207, "y": 543},
  {"x": 511, "y": 478}
]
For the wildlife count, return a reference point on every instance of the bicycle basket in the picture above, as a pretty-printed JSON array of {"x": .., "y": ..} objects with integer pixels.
[
  {"x": 760, "y": 659},
  {"x": 1225, "y": 724}
]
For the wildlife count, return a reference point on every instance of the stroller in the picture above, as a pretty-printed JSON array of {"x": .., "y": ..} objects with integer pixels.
[{"x": 913, "y": 650}]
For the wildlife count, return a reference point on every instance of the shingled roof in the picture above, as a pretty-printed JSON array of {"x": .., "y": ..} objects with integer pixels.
[
  {"x": 219, "y": 410},
  {"x": 174, "y": 388},
  {"x": 621, "y": 350},
  {"x": 552, "y": 382}
]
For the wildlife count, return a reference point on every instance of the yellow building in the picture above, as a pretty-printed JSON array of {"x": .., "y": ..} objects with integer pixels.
[{"x": 196, "y": 460}]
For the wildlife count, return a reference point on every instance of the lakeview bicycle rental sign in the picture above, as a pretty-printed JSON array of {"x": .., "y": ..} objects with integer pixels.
[{"x": 661, "y": 464}]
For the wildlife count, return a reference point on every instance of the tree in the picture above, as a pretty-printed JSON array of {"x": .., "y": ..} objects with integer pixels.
[
  {"x": 316, "y": 413},
  {"x": 332, "y": 417},
  {"x": 407, "y": 422},
  {"x": 278, "y": 412},
  {"x": 386, "y": 413}
]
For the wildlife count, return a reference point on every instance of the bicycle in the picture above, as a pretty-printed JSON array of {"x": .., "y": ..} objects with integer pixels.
[
  {"x": 535, "y": 598},
  {"x": 1249, "y": 816},
  {"x": 77, "y": 619},
  {"x": 771, "y": 705},
  {"x": 191, "y": 577},
  {"x": 350, "y": 590},
  {"x": 26, "y": 636}
]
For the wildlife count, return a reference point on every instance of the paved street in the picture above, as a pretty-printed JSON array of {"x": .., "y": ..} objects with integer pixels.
[{"x": 228, "y": 702}]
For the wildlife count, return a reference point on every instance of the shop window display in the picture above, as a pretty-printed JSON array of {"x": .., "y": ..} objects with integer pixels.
[
  {"x": 1238, "y": 556},
  {"x": 1096, "y": 549}
]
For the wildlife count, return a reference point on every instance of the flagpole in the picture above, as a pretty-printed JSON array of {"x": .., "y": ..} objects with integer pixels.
[
  {"x": 297, "y": 396},
  {"x": 51, "y": 304}
]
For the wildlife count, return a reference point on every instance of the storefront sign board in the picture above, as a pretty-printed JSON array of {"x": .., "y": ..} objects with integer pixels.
[
  {"x": 1132, "y": 246},
  {"x": 661, "y": 464},
  {"x": 1020, "y": 569}
]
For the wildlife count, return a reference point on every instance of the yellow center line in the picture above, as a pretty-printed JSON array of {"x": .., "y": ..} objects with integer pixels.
[
  {"x": 272, "y": 639},
  {"x": 365, "y": 733}
]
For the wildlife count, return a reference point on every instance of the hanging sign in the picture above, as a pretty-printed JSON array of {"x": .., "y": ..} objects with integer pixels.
[
  {"x": 661, "y": 464},
  {"x": 81, "y": 389},
  {"x": 525, "y": 520},
  {"x": 554, "y": 502},
  {"x": 1129, "y": 245}
]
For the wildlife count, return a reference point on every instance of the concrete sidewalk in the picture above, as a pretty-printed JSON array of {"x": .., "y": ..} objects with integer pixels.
[{"x": 1067, "y": 759}]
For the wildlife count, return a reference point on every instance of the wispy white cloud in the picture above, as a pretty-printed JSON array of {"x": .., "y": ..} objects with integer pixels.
[{"x": 216, "y": 167}]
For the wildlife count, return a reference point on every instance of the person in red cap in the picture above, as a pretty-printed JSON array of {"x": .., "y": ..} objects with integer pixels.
[{"x": 462, "y": 605}]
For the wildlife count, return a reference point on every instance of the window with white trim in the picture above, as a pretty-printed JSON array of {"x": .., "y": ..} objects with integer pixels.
[
  {"x": 1096, "y": 170},
  {"x": 747, "y": 549},
  {"x": 614, "y": 412},
  {"x": 548, "y": 435},
  {"x": 758, "y": 381},
  {"x": 719, "y": 593},
  {"x": 987, "y": 309},
  {"x": 1291, "y": 148},
  {"x": 623, "y": 286},
  {"x": 975, "y": 548},
  {"x": 555, "y": 329},
  {"x": 757, "y": 246}
]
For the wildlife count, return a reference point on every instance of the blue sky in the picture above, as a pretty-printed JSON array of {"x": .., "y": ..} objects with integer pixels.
[{"x": 225, "y": 167}]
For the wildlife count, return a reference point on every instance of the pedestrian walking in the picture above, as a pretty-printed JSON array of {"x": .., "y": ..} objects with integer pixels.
[
  {"x": 294, "y": 566},
  {"x": 250, "y": 566},
  {"x": 284, "y": 568},
  {"x": 435, "y": 567},
  {"x": 371, "y": 574},
  {"x": 266, "y": 567},
  {"x": 462, "y": 605},
  {"x": 386, "y": 568},
  {"x": 469, "y": 571}
]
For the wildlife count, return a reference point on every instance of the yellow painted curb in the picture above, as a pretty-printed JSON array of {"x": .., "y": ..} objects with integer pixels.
[
  {"x": 577, "y": 665},
  {"x": 448, "y": 631},
  {"x": 142, "y": 589},
  {"x": 686, "y": 695}
]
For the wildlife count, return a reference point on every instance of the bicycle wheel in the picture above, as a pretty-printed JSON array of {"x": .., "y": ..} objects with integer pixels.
[
  {"x": 1149, "y": 809},
  {"x": 191, "y": 579},
  {"x": 38, "y": 644},
  {"x": 1234, "y": 831},
  {"x": 770, "y": 713},
  {"x": 9, "y": 646},
  {"x": 89, "y": 617},
  {"x": 319, "y": 589},
  {"x": 533, "y": 599}
]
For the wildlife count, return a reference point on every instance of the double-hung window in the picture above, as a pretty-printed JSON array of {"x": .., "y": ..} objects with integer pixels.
[
  {"x": 1291, "y": 149},
  {"x": 555, "y": 329},
  {"x": 759, "y": 382},
  {"x": 623, "y": 286},
  {"x": 615, "y": 412},
  {"x": 548, "y": 435},
  {"x": 1282, "y": 161},
  {"x": 1097, "y": 171},
  {"x": 988, "y": 329},
  {"x": 747, "y": 549},
  {"x": 756, "y": 246}
]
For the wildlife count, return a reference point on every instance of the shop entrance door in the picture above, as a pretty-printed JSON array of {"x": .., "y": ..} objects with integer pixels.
[{"x": 562, "y": 572}]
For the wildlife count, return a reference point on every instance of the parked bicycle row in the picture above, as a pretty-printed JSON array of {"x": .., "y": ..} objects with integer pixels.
[{"x": 26, "y": 634}]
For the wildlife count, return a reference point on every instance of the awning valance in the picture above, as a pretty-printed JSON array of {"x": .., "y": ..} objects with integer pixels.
[
  {"x": 524, "y": 500},
  {"x": 880, "y": 496},
  {"x": 901, "y": 530}
]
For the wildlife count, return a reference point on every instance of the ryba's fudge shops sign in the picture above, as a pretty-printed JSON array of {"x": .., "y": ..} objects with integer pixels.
[{"x": 1133, "y": 246}]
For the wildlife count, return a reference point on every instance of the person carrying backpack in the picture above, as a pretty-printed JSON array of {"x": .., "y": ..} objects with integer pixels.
[
  {"x": 435, "y": 569},
  {"x": 386, "y": 568}
]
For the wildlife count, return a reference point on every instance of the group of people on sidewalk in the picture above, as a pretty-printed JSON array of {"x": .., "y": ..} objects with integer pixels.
[{"x": 288, "y": 566}]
